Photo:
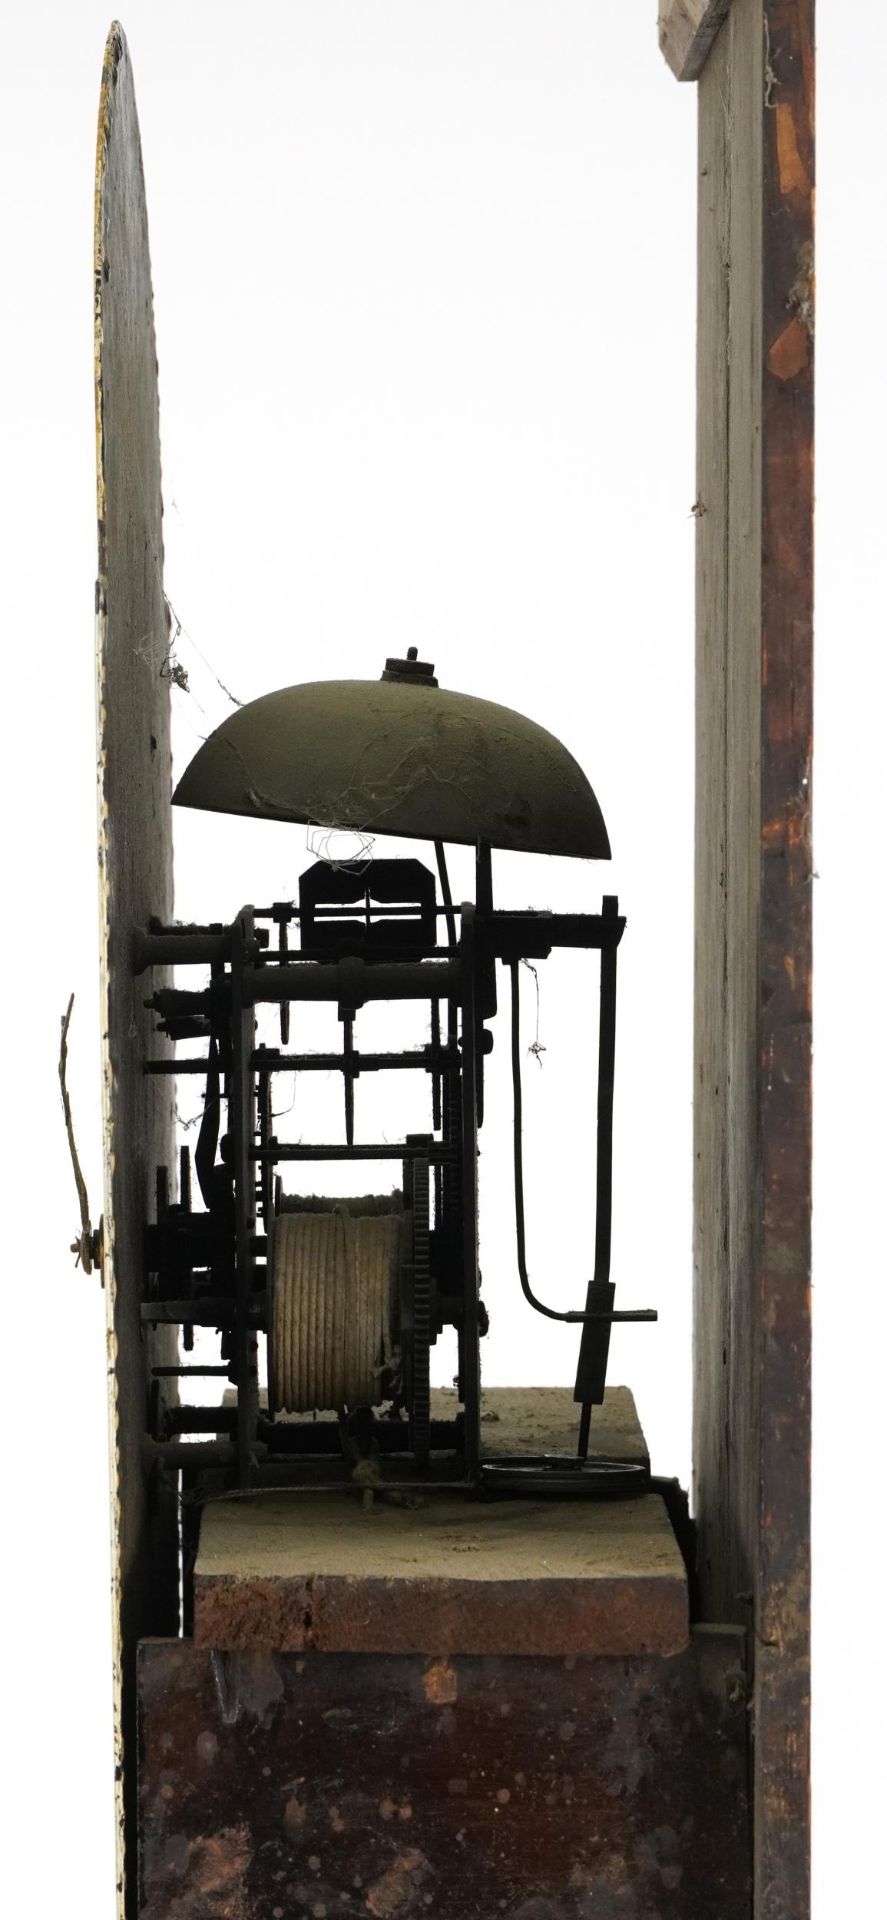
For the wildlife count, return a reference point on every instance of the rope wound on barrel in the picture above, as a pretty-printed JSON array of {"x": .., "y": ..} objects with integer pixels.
[{"x": 334, "y": 1281}]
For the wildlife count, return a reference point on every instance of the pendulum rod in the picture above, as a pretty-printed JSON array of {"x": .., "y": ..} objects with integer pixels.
[{"x": 595, "y": 1342}]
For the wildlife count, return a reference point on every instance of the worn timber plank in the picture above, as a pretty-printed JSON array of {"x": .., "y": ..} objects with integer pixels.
[
  {"x": 532, "y": 1420},
  {"x": 785, "y": 1036},
  {"x": 687, "y": 30},
  {"x": 332, "y": 1785},
  {"x": 546, "y": 1420},
  {"x": 290, "y": 1571},
  {"x": 135, "y": 875},
  {"x": 286, "y": 1571},
  {"x": 753, "y": 891}
]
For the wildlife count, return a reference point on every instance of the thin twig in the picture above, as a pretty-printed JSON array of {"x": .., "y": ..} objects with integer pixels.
[{"x": 85, "y": 1246}]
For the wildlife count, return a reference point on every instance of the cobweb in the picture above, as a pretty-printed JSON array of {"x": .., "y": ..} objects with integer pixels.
[{"x": 345, "y": 849}]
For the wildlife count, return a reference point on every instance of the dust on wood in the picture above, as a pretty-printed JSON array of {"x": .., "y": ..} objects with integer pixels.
[{"x": 451, "y": 1574}]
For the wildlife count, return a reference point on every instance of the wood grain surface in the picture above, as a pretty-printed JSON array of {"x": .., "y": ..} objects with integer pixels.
[
  {"x": 289, "y": 1571},
  {"x": 293, "y": 1571},
  {"x": 753, "y": 891},
  {"x": 135, "y": 876},
  {"x": 687, "y": 30},
  {"x": 336, "y": 1785}
]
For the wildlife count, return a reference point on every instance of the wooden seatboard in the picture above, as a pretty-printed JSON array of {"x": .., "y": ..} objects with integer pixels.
[
  {"x": 135, "y": 881},
  {"x": 530, "y": 1420},
  {"x": 447, "y": 1573},
  {"x": 289, "y": 1571},
  {"x": 546, "y": 1420}
]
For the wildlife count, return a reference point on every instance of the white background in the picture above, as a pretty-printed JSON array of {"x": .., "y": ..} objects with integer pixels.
[{"x": 424, "y": 285}]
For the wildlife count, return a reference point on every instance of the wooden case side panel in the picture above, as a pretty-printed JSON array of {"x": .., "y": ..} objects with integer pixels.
[
  {"x": 728, "y": 816},
  {"x": 532, "y": 1788},
  {"x": 135, "y": 872},
  {"x": 782, "y": 1676},
  {"x": 711, "y": 1279},
  {"x": 753, "y": 875}
]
